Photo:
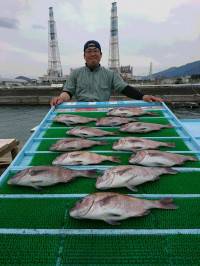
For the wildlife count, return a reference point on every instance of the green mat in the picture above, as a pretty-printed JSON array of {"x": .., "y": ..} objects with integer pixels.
[
  {"x": 61, "y": 133},
  {"x": 99, "y": 250},
  {"x": 47, "y": 159},
  {"x": 54, "y": 214},
  {"x": 179, "y": 145},
  {"x": 132, "y": 250},
  {"x": 29, "y": 250},
  {"x": 168, "y": 184}
]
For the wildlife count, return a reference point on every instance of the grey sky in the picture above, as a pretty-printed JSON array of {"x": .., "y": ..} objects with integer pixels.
[{"x": 166, "y": 33}]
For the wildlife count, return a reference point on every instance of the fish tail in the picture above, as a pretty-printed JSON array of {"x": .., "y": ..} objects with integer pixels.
[
  {"x": 166, "y": 204},
  {"x": 89, "y": 173},
  {"x": 112, "y": 133},
  {"x": 102, "y": 142},
  {"x": 167, "y": 126},
  {"x": 191, "y": 158},
  {"x": 133, "y": 119},
  {"x": 170, "y": 171},
  {"x": 114, "y": 159},
  {"x": 170, "y": 144}
]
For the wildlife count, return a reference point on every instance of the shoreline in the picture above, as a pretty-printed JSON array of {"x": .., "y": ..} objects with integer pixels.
[{"x": 180, "y": 95}]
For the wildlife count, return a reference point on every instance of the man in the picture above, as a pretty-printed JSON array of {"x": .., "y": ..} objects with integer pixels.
[{"x": 96, "y": 83}]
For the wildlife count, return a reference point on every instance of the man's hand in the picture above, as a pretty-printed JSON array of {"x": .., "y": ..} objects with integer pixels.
[
  {"x": 63, "y": 97},
  {"x": 56, "y": 100},
  {"x": 150, "y": 98}
]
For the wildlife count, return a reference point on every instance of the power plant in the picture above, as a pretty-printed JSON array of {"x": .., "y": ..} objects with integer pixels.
[
  {"x": 54, "y": 72},
  {"x": 113, "y": 62}
]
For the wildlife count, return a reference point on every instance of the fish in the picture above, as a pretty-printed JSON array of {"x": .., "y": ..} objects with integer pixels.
[
  {"x": 130, "y": 176},
  {"x": 89, "y": 132},
  {"x": 134, "y": 143},
  {"x": 128, "y": 112},
  {"x": 42, "y": 176},
  {"x": 113, "y": 207},
  {"x": 159, "y": 158},
  {"x": 113, "y": 121},
  {"x": 82, "y": 158},
  {"x": 139, "y": 127},
  {"x": 74, "y": 144},
  {"x": 73, "y": 119}
]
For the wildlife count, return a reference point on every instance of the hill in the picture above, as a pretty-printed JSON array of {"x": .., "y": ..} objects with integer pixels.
[{"x": 184, "y": 70}]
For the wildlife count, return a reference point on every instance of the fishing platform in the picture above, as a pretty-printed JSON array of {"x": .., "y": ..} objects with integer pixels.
[{"x": 35, "y": 226}]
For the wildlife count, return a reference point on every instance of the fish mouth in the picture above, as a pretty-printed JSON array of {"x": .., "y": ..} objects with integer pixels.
[{"x": 73, "y": 212}]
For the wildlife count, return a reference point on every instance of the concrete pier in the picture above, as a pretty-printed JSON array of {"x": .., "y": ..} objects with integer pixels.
[{"x": 178, "y": 95}]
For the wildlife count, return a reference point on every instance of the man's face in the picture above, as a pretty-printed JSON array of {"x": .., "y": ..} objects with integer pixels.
[{"x": 92, "y": 57}]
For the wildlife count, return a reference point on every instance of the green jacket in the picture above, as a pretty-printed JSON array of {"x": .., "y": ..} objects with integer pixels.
[{"x": 93, "y": 85}]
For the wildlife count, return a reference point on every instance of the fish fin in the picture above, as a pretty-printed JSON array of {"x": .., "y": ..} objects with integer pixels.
[
  {"x": 78, "y": 162},
  {"x": 132, "y": 188},
  {"x": 142, "y": 129},
  {"x": 75, "y": 155},
  {"x": 106, "y": 200},
  {"x": 155, "y": 153},
  {"x": 121, "y": 172},
  {"x": 33, "y": 171},
  {"x": 90, "y": 173},
  {"x": 38, "y": 188},
  {"x": 166, "y": 204},
  {"x": 167, "y": 126},
  {"x": 112, "y": 133},
  {"x": 159, "y": 164},
  {"x": 146, "y": 212},
  {"x": 102, "y": 143},
  {"x": 103, "y": 188},
  {"x": 192, "y": 158},
  {"x": 155, "y": 178},
  {"x": 84, "y": 135},
  {"x": 170, "y": 144},
  {"x": 170, "y": 171},
  {"x": 150, "y": 113},
  {"x": 114, "y": 159},
  {"x": 131, "y": 119},
  {"x": 72, "y": 149},
  {"x": 111, "y": 222}
]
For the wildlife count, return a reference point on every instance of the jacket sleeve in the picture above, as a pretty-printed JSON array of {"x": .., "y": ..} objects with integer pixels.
[{"x": 132, "y": 92}]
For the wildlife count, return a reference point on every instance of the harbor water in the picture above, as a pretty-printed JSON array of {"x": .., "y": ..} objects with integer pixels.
[{"x": 17, "y": 121}]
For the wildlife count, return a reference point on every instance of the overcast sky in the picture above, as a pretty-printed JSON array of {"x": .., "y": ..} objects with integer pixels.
[{"x": 164, "y": 32}]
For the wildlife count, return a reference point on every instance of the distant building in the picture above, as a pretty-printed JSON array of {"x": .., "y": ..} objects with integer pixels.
[
  {"x": 12, "y": 82},
  {"x": 126, "y": 72}
]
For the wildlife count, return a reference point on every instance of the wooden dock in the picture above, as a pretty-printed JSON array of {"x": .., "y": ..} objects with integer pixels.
[{"x": 8, "y": 151}]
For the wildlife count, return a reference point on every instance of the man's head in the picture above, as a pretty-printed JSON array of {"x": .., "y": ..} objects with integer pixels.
[{"x": 92, "y": 53}]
